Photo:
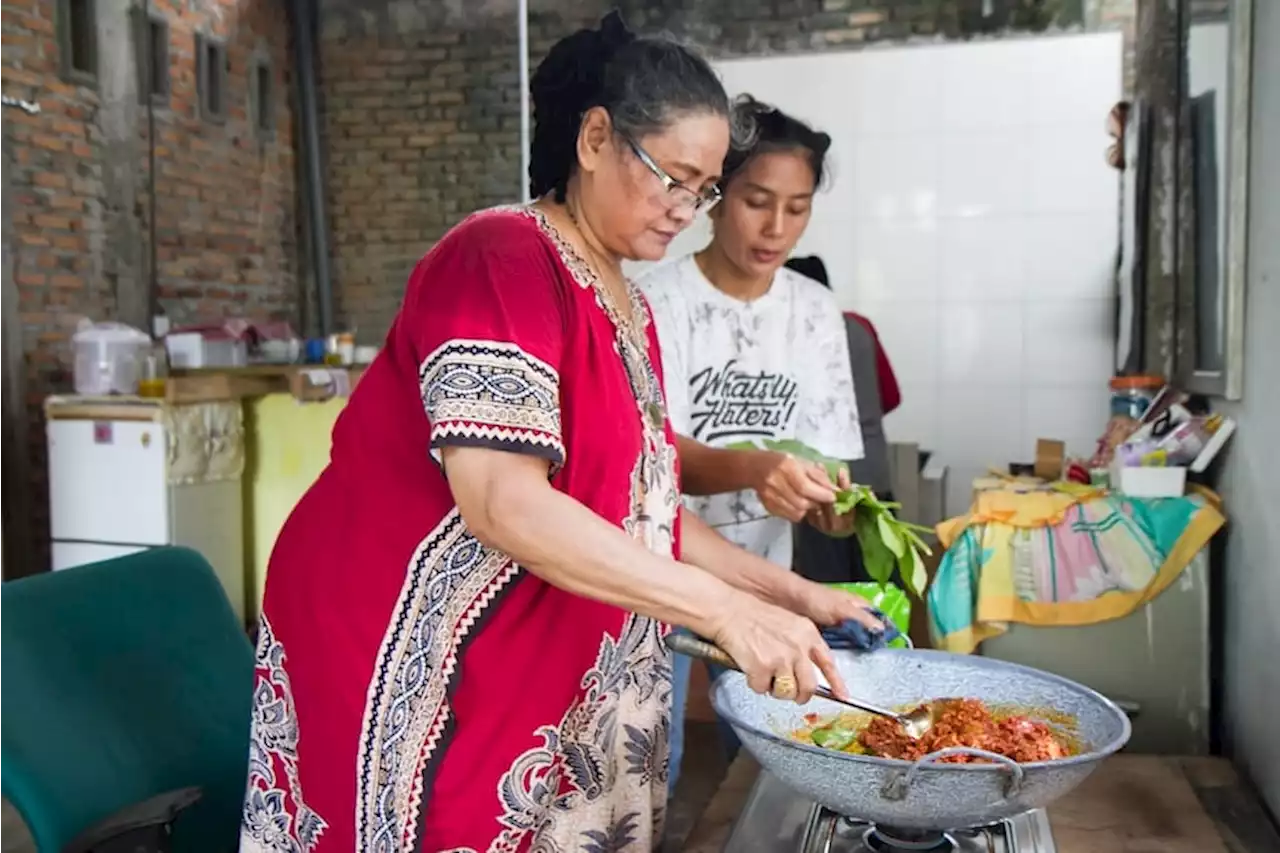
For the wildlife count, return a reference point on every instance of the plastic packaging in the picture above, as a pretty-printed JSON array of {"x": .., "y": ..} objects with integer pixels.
[{"x": 108, "y": 358}]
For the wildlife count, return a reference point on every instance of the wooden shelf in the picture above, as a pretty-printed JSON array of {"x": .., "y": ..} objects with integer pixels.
[{"x": 204, "y": 385}]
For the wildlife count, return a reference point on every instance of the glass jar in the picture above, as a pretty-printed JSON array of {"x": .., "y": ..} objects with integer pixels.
[
  {"x": 1131, "y": 396},
  {"x": 153, "y": 379}
]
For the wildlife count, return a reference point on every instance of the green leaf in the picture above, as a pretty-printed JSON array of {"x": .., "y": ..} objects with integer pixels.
[
  {"x": 800, "y": 450},
  {"x": 889, "y": 536},
  {"x": 915, "y": 540},
  {"x": 886, "y": 542},
  {"x": 876, "y": 558},
  {"x": 846, "y": 500},
  {"x": 914, "y": 574},
  {"x": 832, "y": 737}
]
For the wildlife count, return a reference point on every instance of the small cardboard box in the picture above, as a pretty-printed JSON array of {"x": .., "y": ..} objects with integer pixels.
[{"x": 1051, "y": 457}]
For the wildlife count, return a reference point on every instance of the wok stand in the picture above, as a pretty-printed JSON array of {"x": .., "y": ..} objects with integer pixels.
[{"x": 775, "y": 819}]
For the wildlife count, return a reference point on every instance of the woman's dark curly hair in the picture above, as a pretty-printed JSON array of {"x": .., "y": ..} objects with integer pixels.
[
  {"x": 641, "y": 81},
  {"x": 773, "y": 130}
]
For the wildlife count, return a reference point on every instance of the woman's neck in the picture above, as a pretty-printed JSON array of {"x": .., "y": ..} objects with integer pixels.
[
  {"x": 728, "y": 278},
  {"x": 608, "y": 264}
]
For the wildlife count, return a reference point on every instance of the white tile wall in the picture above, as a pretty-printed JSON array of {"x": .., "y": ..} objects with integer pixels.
[{"x": 973, "y": 218}]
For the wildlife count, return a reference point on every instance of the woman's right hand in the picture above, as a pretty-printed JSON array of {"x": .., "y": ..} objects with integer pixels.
[
  {"x": 789, "y": 487},
  {"x": 772, "y": 645}
]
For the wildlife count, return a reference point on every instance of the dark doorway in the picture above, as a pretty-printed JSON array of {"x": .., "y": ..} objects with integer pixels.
[{"x": 16, "y": 544}]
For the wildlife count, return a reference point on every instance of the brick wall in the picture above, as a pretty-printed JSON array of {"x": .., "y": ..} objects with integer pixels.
[
  {"x": 421, "y": 100},
  {"x": 77, "y": 176}
]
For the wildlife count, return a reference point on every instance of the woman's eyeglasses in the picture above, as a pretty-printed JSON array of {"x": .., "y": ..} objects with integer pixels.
[{"x": 682, "y": 197}]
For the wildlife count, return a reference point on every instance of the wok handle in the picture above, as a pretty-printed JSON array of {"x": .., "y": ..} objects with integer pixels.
[
  {"x": 1012, "y": 786},
  {"x": 683, "y": 644}
]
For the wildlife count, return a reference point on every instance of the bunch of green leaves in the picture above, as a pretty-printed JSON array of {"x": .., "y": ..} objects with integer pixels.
[{"x": 886, "y": 542}]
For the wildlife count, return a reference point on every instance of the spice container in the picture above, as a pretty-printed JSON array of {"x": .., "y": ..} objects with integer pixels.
[
  {"x": 347, "y": 348},
  {"x": 1131, "y": 396},
  {"x": 155, "y": 372}
]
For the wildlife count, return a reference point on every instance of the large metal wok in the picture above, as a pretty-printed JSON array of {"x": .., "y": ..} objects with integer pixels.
[{"x": 924, "y": 795}]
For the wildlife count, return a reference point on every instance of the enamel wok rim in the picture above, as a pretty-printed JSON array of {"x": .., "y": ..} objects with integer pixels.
[{"x": 1092, "y": 756}]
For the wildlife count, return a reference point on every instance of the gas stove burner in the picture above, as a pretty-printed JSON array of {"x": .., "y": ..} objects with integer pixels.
[
  {"x": 884, "y": 840},
  {"x": 775, "y": 820}
]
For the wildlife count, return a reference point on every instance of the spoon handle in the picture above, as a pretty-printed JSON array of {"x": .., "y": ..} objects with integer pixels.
[
  {"x": 825, "y": 693},
  {"x": 696, "y": 648},
  {"x": 683, "y": 644}
]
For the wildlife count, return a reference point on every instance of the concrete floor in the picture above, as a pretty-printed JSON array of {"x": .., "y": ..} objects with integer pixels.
[
  {"x": 704, "y": 768},
  {"x": 14, "y": 837}
]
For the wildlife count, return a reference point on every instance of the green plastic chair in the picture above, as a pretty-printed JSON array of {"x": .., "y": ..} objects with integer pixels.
[{"x": 127, "y": 687}]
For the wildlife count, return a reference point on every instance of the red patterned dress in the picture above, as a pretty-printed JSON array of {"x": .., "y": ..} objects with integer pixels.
[{"x": 416, "y": 690}]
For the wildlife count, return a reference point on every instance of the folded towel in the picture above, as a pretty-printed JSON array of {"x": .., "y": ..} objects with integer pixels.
[{"x": 852, "y": 635}]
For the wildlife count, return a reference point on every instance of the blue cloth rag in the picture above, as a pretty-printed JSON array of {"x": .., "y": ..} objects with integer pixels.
[{"x": 851, "y": 635}]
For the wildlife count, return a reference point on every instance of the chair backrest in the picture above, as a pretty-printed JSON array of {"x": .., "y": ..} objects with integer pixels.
[{"x": 122, "y": 680}]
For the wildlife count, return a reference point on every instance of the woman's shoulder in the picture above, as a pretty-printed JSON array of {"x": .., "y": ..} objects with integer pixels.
[
  {"x": 666, "y": 286},
  {"x": 812, "y": 296},
  {"x": 508, "y": 226},
  {"x": 662, "y": 276}
]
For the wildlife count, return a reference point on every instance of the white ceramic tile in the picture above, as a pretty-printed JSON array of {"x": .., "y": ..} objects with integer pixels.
[
  {"x": 981, "y": 343},
  {"x": 916, "y": 419},
  {"x": 960, "y": 477},
  {"x": 979, "y": 426},
  {"x": 892, "y": 176},
  {"x": 893, "y": 259},
  {"x": 908, "y": 331},
  {"x": 1070, "y": 343},
  {"x": 1085, "y": 74},
  {"x": 985, "y": 85},
  {"x": 1070, "y": 255},
  {"x": 1077, "y": 416},
  {"x": 981, "y": 258},
  {"x": 981, "y": 173},
  {"x": 1068, "y": 172},
  {"x": 891, "y": 90}
]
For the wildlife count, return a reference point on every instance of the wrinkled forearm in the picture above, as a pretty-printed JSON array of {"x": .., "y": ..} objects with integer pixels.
[{"x": 508, "y": 505}]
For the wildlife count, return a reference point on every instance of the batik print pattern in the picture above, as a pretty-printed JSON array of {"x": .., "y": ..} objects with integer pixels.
[
  {"x": 450, "y": 582},
  {"x": 597, "y": 781},
  {"x": 276, "y": 819},
  {"x": 492, "y": 393}
]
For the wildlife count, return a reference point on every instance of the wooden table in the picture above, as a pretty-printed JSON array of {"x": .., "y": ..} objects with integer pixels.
[
  {"x": 232, "y": 383},
  {"x": 1132, "y": 804}
]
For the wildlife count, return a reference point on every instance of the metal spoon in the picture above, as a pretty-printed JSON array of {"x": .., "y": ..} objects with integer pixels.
[{"x": 916, "y": 723}]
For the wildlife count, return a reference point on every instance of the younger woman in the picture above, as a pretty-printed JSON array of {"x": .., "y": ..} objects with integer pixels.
[{"x": 753, "y": 351}]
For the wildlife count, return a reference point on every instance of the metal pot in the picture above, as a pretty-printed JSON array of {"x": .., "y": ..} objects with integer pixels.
[{"x": 924, "y": 795}]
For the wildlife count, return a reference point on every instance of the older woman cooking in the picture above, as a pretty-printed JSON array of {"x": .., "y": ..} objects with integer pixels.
[{"x": 461, "y": 641}]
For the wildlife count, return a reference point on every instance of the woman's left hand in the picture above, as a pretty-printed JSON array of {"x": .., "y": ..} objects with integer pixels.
[
  {"x": 824, "y": 517},
  {"x": 829, "y": 606}
]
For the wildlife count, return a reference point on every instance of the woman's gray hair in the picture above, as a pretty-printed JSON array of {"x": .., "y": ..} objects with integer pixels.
[{"x": 642, "y": 82}]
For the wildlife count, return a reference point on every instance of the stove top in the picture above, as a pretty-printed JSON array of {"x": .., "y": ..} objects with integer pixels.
[{"x": 777, "y": 820}]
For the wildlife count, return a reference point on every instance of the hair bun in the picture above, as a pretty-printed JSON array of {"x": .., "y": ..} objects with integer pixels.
[
  {"x": 613, "y": 34},
  {"x": 573, "y": 73},
  {"x": 821, "y": 143}
]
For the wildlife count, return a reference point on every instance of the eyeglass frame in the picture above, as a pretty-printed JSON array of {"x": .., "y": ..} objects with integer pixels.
[{"x": 701, "y": 201}]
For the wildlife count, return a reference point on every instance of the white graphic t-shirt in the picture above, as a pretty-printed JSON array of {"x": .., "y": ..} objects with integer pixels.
[{"x": 775, "y": 368}]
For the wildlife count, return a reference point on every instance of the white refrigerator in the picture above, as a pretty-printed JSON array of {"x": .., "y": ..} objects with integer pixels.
[{"x": 127, "y": 474}]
